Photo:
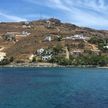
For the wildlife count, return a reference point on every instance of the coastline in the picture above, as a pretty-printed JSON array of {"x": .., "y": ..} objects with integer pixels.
[
  {"x": 105, "y": 67},
  {"x": 30, "y": 65},
  {"x": 21, "y": 65}
]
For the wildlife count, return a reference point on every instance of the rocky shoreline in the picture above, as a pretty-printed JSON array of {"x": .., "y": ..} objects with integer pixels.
[
  {"x": 31, "y": 65},
  {"x": 48, "y": 65}
]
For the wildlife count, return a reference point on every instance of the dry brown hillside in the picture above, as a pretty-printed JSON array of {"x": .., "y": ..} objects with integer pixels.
[{"x": 25, "y": 46}]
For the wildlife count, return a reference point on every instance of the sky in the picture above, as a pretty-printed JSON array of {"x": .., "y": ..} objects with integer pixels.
[{"x": 86, "y": 13}]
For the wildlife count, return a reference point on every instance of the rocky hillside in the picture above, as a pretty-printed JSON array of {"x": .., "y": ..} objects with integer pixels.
[{"x": 20, "y": 40}]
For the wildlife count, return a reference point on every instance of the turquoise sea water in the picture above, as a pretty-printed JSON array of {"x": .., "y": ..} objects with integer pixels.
[{"x": 53, "y": 88}]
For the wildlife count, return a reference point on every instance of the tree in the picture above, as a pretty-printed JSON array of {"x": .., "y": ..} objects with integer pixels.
[
  {"x": 34, "y": 59},
  {"x": 4, "y": 62},
  {"x": 57, "y": 49},
  {"x": 81, "y": 45},
  {"x": 11, "y": 59}
]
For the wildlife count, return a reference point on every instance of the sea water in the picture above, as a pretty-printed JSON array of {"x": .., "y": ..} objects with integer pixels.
[{"x": 53, "y": 88}]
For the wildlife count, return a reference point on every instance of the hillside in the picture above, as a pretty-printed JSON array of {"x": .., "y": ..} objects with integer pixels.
[{"x": 30, "y": 36}]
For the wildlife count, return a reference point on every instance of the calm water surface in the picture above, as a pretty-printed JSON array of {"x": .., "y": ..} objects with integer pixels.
[{"x": 53, "y": 88}]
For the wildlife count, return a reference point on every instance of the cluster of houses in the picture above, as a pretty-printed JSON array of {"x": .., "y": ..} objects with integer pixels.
[
  {"x": 24, "y": 34},
  {"x": 77, "y": 37},
  {"x": 42, "y": 54},
  {"x": 45, "y": 54}
]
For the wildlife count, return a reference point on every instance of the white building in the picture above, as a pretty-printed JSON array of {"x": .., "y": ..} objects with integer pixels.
[
  {"x": 105, "y": 47},
  {"x": 47, "y": 57},
  {"x": 68, "y": 37},
  {"x": 48, "y": 24},
  {"x": 48, "y": 38},
  {"x": 77, "y": 37},
  {"x": 25, "y": 26},
  {"x": 25, "y": 33},
  {"x": 2, "y": 56},
  {"x": 40, "y": 51}
]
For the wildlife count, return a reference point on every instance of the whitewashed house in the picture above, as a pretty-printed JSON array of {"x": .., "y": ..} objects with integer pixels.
[
  {"x": 40, "y": 51},
  {"x": 25, "y": 26},
  {"x": 106, "y": 47},
  {"x": 24, "y": 33},
  {"x": 68, "y": 37},
  {"x": 77, "y": 37},
  {"x": 2, "y": 56},
  {"x": 46, "y": 57},
  {"x": 48, "y": 24},
  {"x": 48, "y": 38}
]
